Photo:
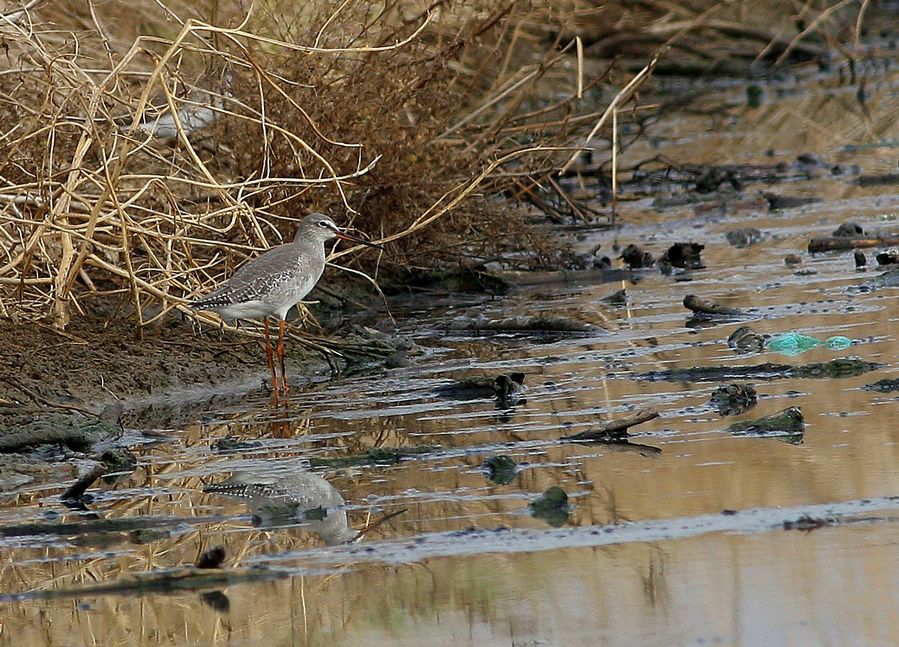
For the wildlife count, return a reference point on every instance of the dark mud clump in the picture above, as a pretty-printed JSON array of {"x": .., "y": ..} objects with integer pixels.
[
  {"x": 788, "y": 425},
  {"x": 509, "y": 390},
  {"x": 716, "y": 178},
  {"x": 617, "y": 298},
  {"x": 744, "y": 237},
  {"x": 212, "y": 558},
  {"x": 745, "y": 340},
  {"x": 808, "y": 523},
  {"x": 685, "y": 255},
  {"x": 552, "y": 506},
  {"x": 733, "y": 399},
  {"x": 887, "y": 258},
  {"x": 848, "y": 230},
  {"x": 777, "y": 202},
  {"x": 501, "y": 469},
  {"x": 635, "y": 257}
]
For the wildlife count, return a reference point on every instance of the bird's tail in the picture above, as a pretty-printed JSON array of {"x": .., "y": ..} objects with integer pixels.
[{"x": 209, "y": 302}]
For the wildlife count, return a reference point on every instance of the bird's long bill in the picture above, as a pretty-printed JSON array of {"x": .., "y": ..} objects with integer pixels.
[{"x": 343, "y": 235}]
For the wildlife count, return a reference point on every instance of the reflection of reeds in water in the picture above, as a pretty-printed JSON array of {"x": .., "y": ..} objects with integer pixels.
[{"x": 440, "y": 494}]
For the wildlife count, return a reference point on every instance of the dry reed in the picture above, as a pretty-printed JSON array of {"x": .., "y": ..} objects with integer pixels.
[{"x": 147, "y": 149}]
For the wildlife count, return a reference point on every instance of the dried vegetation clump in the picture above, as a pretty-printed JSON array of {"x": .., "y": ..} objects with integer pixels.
[{"x": 147, "y": 149}]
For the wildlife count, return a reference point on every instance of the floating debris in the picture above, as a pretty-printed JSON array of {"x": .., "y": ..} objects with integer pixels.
[
  {"x": 685, "y": 255},
  {"x": 614, "y": 430},
  {"x": 841, "y": 243},
  {"x": 77, "y": 490},
  {"x": 733, "y": 399},
  {"x": 792, "y": 259},
  {"x": 552, "y": 506},
  {"x": 746, "y": 340},
  {"x": 809, "y": 523},
  {"x": 883, "y": 386},
  {"x": 882, "y": 179},
  {"x": 889, "y": 279},
  {"x": 617, "y": 298},
  {"x": 101, "y": 526},
  {"x": 506, "y": 387},
  {"x": 501, "y": 469},
  {"x": 744, "y": 237},
  {"x": 157, "y": 582},
  {"x": 231, "y": 444},
  {"x": 787, "y": 425},
  {"x": 635, "y": 257},
  {"x": 794, "y": 343},
  {"x": 539, "y": 324},
  {"x": 707, "y": 308},
  {"x": 887, "y": 258}
]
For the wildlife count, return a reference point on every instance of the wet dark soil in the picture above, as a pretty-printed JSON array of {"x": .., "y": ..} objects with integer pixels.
[
  {"x": 53, "y": 385},
  {"x": 97, "y": 360}
]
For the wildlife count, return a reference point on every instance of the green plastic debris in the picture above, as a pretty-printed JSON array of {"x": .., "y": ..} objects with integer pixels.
[
  {"x": 793, "y": 343},
  {"x": 838, "y": 342}
]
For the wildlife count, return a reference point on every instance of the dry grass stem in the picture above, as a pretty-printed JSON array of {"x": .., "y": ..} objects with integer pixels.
[{"x": 147, "y": 149}]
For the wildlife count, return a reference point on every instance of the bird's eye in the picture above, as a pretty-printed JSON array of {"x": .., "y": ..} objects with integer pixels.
[{"x": 322, "y": 223}]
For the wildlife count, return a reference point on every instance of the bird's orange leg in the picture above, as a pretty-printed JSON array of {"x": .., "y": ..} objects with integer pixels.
[
  {"x": 282, "y": 325},
  {"x": 270, "y": 356}
]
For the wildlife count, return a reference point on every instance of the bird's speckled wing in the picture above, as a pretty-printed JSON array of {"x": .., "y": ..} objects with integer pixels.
[{"x": 266, "y": 274}]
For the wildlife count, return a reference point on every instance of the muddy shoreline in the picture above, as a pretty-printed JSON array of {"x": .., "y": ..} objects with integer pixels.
[
  {"x": 103, "y": 366},
  {"x": 96, "y": 362}
]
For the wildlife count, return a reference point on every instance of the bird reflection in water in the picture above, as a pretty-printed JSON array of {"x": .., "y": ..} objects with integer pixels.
[{"x": 298, "y": 497}]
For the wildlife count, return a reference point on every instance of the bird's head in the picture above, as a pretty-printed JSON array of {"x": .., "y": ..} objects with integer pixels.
[{"x": 318, "y": 226}]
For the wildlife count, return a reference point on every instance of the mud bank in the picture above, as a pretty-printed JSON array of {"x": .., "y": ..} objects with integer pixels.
[{"x": 99, "y": 362}]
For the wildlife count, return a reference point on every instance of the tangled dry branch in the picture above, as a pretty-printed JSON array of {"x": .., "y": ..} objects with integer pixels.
[
  {"x": 149, "y": 161},
  {"x": 148, "y": 148}
]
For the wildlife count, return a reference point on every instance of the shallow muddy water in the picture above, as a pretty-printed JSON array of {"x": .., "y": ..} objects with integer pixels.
[{"x": 677, "y": 538}]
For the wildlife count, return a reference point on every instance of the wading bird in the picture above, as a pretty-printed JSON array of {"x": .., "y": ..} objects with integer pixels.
[{"x": 275, "y": 281}]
